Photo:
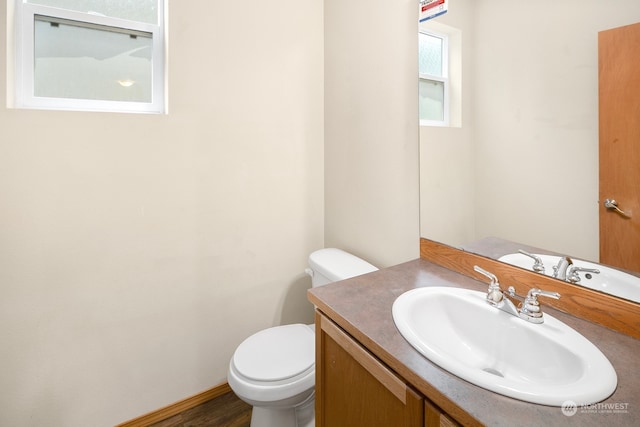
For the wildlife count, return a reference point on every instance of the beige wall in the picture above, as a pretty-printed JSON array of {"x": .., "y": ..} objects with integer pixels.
[
  {"x": 137, "y": 251},
  {"x": 371, "y": 129},
  {"x": 534, "y": 122}
]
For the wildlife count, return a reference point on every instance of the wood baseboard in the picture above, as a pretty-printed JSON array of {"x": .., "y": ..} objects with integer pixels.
[{"x": 178, "y": 407}]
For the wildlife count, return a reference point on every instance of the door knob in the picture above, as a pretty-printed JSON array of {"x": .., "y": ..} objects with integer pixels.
[{"x": 613, "y": 205}]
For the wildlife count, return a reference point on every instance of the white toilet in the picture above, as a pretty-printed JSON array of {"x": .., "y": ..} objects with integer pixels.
[{"x": 274, "y": 369}]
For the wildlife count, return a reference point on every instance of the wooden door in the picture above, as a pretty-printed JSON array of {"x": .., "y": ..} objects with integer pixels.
[
  {"x": 353, "y": 389},
  {"x": 619, "y": 121}
]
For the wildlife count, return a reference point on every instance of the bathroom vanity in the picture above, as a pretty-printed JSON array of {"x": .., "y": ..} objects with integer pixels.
[{"x": 367, "y": 374}]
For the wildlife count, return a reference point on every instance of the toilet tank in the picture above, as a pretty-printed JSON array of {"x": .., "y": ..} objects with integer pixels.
[{"x": 330, "y": 265}]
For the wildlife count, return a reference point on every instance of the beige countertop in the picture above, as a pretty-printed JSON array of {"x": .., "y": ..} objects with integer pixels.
[{"x": 362, "y": 307}]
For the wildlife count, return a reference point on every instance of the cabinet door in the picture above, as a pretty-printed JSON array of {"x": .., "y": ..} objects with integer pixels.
[
  {"x": 434, "y": 417},
  {"x": 354, "y": 389}
]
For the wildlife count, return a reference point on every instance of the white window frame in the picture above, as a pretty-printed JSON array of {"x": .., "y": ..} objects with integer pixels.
[
  {"x": 444, "y": 79},
  {"x": 25, "y": 14}
]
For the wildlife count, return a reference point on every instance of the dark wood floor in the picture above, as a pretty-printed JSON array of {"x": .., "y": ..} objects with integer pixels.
[{"x": 224, "y": 411}]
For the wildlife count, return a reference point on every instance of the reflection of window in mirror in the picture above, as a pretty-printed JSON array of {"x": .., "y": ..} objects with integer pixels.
[
  {"x": 89, "y": 55},
  {"x": 440, "y": 77},
  {"x": 434, "y": 81}
]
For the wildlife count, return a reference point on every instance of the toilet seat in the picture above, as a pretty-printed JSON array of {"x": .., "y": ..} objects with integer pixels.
[
  {"x": 274, "y": 364},
  {"x": 276, "y": 354}
]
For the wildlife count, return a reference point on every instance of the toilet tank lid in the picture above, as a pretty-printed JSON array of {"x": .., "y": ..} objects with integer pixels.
[{"x": 336, "y": 264}]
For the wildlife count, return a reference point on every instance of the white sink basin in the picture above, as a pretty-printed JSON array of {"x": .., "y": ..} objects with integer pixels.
[
  {"x": 609, "y": 280},
  {"x": 548, "y": 363}
]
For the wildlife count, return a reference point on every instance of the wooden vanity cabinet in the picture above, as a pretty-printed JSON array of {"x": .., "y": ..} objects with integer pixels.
[
  {"x": 353, "y": 388},
  {"x": 433, "y": 416}
]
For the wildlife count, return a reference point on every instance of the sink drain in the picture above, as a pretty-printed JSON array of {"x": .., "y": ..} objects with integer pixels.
[{"x": 494, "y": 372}]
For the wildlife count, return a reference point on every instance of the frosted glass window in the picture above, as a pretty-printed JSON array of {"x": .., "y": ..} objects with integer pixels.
[
  {"x": 134, "y": 10},
  {"x": 431, "y": 100},
  {"x": 433, "y": 80},
  {"x": 89, "y": 62},
  {"x": 90, "y": 55},
  {"x": 430, "y": 54}
]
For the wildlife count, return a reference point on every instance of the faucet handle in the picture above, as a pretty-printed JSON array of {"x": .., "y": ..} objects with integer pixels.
[
  {"x": 538, "y": 265},
  {"x": 531, "y": 307},
  {"x": 574, "y": 277},
  {"x": 494, "y": 294}
]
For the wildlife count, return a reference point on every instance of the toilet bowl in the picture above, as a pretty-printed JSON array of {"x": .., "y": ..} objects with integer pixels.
[{"x": 274, "y": 369}]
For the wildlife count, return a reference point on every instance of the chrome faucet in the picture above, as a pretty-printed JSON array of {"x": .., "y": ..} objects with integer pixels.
[
  {"x": 560, "y": 270},
  {"x": 564, "y": 270},
  {"x": 526, "y": 308},
  {"x": 538, "y": 265},
  {"x": 574, "y": 277}
]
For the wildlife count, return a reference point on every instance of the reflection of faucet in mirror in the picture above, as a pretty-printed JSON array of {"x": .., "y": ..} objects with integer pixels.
[
  {"x": 595, "y": 276},
  {"x": 560, "y": 270},
  {"x": 572, "y": 274},
  {"x": 538, "y": 266},
  {"x": 563, "y": 270}
]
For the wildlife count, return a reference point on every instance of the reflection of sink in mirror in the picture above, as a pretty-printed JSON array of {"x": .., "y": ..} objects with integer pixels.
[
  {"x": 548, "y": 363},
  {"x": 609, "y": 280}
]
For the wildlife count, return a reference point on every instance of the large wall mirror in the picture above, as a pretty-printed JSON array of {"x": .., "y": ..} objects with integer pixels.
[{"x": 522, "y": 163}]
